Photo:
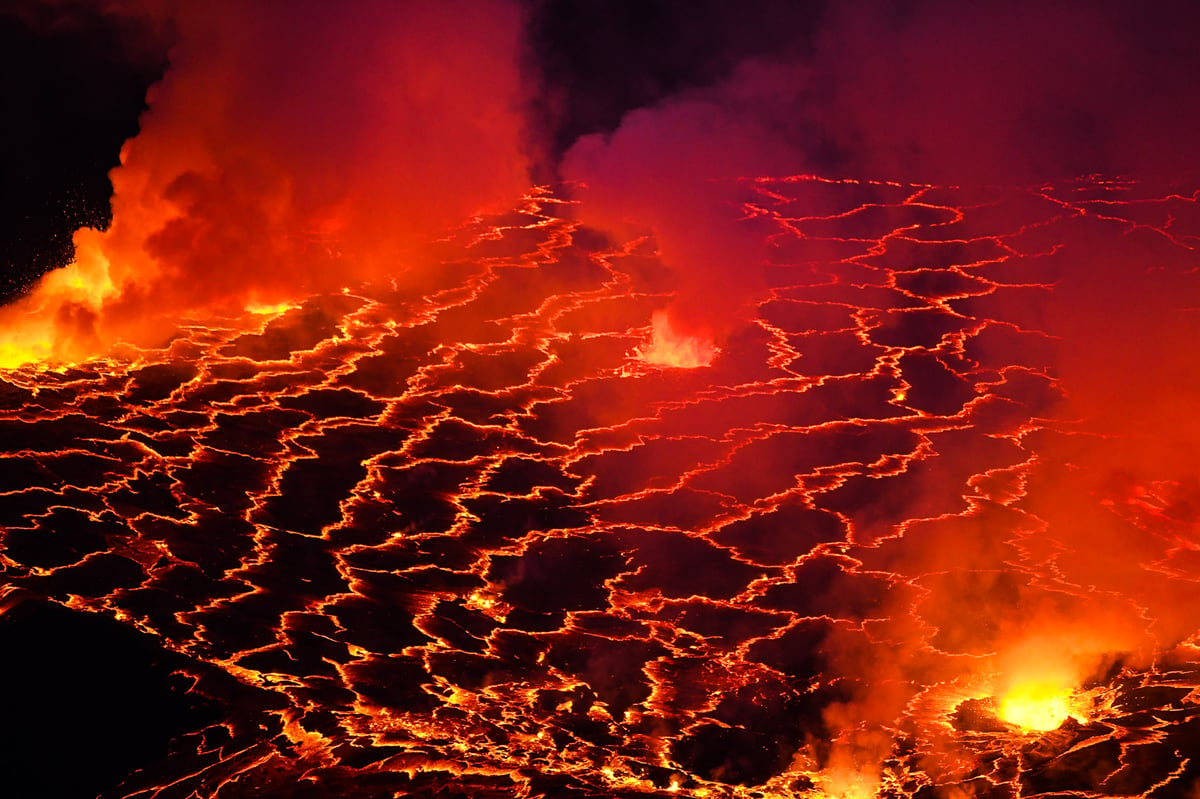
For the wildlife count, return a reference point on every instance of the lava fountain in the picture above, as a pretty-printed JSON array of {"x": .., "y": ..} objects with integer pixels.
[
  {"x": 668, "y": 347},
  {"x": 1039, "y": 706}
]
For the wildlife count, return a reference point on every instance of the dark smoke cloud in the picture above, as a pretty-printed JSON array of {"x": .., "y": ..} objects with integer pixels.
[
  {"x": 925, "y": 92},
  {"x": 599, "y": 59},
  {"x": 1008, "y": 93},
  {"x": 61, "y": 14},
  {"x": 670, "y": 170}
]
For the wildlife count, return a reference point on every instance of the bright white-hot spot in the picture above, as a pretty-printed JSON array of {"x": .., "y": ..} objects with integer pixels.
[
  {"x": 668, "y": 347},
  {"x": 1039, "y": 706},
  {"x": 269, "y": 309}
]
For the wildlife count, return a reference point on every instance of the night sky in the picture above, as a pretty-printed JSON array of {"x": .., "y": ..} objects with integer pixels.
[
  {"x": 69, "y": 97},
  {"x": 925, "y": 91},
  {"x": 75, "y": 80}
]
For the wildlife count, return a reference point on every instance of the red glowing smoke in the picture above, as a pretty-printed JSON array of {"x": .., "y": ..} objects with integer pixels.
[
  {"x": 669, "y": 171},
  {"x": 291, "y": 148},
  {"x": 1008, "y": 94},
  {"x": 933, "y": 92}
]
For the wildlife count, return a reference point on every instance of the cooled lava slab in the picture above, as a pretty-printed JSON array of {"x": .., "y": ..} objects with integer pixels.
[{"x": 454, "y": 537}]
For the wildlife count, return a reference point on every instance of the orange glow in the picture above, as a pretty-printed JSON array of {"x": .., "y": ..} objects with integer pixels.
[
  {"x": 849, "y": 783},
  {"x": 56, "y": 323},
  {"x": 472, "y": 527},
  {"x": 269, "y": 309},
  {"x": 1044, "y": 673},
  {"x": 32, "y": 342},
  {"x": 671, "y": 348},
  {"x": 1038, "y": 706},
  {"x": 216, "y": 200}
]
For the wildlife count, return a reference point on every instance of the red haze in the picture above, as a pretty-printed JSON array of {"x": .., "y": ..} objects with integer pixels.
[
  {"x": 294, "y": 147},
  {"x": 972, "y": 95},
  {"x": 931, "y": 92}
]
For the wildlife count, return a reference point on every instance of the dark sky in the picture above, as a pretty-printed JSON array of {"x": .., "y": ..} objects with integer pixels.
[
  {"x": 602, "y": 58},
  {"x": 73, "y": 82},
  {"x": 69, "y": 96},
  {"x": 924, "y": 90}
]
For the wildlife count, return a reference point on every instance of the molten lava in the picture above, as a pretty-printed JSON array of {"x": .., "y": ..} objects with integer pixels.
[
  {"x": 1039, "y": 706},
  {"x": 365, "y": 444},
  {"x": 455, "y": 539}
]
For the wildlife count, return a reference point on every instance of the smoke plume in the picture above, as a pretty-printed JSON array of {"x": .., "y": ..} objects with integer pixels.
[
  {"x": 290, "y": 148},
  {"x": 920, "y": 92},
  {"x": 973, "y": 95}
]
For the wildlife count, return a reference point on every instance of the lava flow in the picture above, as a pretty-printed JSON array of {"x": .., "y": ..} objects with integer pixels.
[{"x": 473, "y": 538}]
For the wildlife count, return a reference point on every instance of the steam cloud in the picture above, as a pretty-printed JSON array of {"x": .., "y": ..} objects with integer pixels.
[
  {"x": 292, "y": 147},
  {"x": 923, "y": 92},
  {"x": 971, "y": 95}
]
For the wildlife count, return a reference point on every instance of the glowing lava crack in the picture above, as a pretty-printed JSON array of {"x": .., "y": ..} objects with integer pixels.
[{"x": 469, "y": 540}]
